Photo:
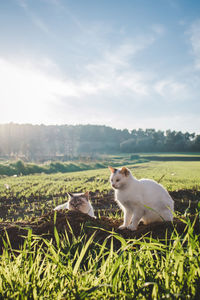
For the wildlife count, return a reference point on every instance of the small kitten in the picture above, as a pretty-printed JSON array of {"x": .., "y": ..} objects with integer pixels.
[
  {"x": 141, "y": 200},
  {"x": 78, "y": 201}
]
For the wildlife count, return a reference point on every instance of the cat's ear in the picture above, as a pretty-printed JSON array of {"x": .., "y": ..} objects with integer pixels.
[
  {"x": 125, "y": 171},
  {"x": 87, "y": 195},
  {"x": 112, "y": 170},
  {"x": 70, "y": 195}
]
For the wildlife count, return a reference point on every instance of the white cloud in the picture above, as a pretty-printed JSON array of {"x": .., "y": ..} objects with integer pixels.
[
  {"x": 116, "y": 72},
  {"x": 171, "y": 89}
]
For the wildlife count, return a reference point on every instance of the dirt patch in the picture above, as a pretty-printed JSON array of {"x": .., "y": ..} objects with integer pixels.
[
  {"x": 192, "y": 195},
  {"x": 186, "y": 200},
  {"x": 14, "y": 208}
]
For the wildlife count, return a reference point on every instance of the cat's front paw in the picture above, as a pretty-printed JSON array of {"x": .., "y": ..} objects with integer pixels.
[
  {"x": 132, "y": 227},
  {"x": 121, "y": 227}
]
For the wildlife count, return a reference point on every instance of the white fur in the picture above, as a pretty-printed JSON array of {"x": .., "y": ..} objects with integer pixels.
[
  {"x": 86, "y": 208},
  {"x": 141, "y": 200},
  {"x": 62, "y": 206}
]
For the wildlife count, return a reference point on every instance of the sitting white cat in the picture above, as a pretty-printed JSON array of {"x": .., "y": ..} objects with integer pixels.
[
  {"x": 78, "y": 202},
  {"x": 141, "y": 200}
]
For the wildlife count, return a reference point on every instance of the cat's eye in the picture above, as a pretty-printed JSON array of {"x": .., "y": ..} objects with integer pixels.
[{"x": 117, "y": 180}]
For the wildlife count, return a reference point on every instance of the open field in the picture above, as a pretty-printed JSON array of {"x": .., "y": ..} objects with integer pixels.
[
  {"x": 73, "y": 256},
  {"x": 27, "y": 196}
]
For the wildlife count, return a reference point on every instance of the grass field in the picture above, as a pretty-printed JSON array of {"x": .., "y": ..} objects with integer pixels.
[
  {"x": 27, "y": 196},
  {"x": 83, "y": 268},
  {"x": 175, "y": 175}
]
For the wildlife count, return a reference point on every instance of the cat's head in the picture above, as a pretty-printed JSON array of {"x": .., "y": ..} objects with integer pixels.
[
  {"x": 79, "y": 201},
  {"x": 118, "y": 177}
]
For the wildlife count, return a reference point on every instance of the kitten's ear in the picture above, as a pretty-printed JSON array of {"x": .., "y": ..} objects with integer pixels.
[
  {"x": 112, "y": 170},
  {"x": 70, "y": 195},
  {"x": 125, "y": 171},
  {"x": 87, "y": 195}
]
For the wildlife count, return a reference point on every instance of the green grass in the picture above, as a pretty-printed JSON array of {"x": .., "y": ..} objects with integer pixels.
[
  {"x": 83, "y": 269},
  {"x": 177, "y": 175},
  {"x": 19, "y": 167},
  {"x": 168, "y": 154}
]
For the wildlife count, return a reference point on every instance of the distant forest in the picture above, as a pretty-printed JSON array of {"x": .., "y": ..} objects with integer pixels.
[{"x": 64, "y": 142}]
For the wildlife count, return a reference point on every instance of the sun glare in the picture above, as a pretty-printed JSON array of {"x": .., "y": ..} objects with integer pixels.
[{"x": 28, "y": 94}]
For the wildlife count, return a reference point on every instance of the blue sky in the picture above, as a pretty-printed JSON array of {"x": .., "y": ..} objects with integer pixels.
[{"x": 125, "y": 63}]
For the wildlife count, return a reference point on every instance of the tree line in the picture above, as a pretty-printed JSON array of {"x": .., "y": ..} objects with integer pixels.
[{"x": 42, "y": 142}]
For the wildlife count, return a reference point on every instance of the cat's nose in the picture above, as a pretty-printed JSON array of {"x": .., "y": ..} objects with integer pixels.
[{"x": 113, "y": 185}]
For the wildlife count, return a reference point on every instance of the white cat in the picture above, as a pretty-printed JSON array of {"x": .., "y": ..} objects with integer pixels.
[
  {"x": 78, "y": 201},
  {"x": 141, "y": 200}
]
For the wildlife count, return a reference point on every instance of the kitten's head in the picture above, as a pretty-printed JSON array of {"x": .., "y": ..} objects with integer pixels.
[
  {"x": 79, "y": 201},
  {"x": 118, "y": 177}
]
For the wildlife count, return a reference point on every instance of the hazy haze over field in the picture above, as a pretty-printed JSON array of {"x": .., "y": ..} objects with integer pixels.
[{"x": 126, "y": 64}]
